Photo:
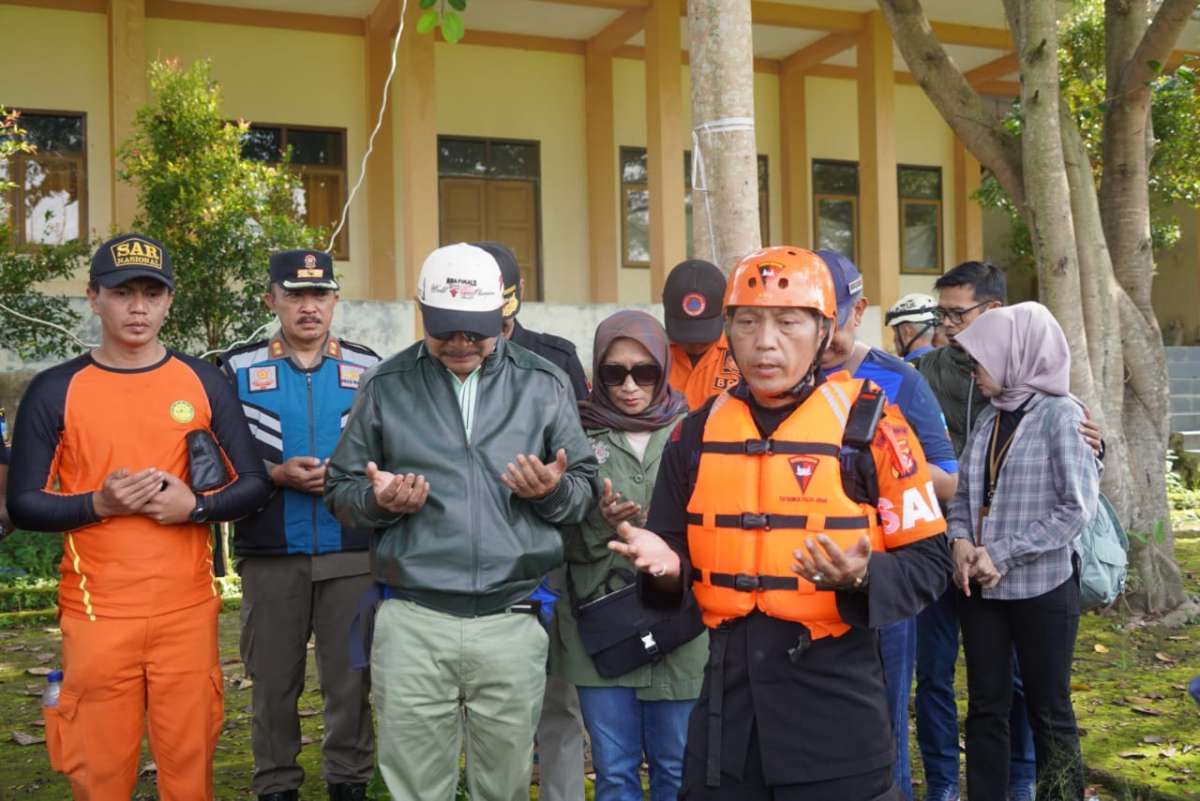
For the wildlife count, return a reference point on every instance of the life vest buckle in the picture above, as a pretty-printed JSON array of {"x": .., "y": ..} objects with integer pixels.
[
  {"x": 758, "y": 447},
  {"x": 752, "y": 520},
  {"x": 745, "y": 582}
]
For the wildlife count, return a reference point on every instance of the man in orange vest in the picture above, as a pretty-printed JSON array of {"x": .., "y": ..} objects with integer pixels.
[
  {"x": 701, "y": 365},
  {"x": 799, "y": 510}
]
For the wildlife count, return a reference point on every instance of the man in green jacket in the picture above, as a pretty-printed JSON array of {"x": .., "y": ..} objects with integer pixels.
[{"x": 464, "y": 453}]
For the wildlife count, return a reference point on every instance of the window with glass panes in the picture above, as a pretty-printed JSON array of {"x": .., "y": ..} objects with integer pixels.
[
  {"x": 48, "y": 205},
  {"x": 835, "y": 206},
  {"x": 920, "y": 190},
  {"x": 635, "y": 205},
  {"x": 319, "y": 158}
]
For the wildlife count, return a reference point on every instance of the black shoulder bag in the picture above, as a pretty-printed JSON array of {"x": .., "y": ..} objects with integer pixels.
[{"x": 620, "y": 633}]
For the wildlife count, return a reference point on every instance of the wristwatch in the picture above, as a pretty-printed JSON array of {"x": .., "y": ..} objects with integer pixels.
[{"x": 199, "y": 514}]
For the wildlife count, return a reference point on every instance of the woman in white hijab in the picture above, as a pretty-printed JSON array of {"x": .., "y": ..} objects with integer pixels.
[{"x": 1028, "y": 485}]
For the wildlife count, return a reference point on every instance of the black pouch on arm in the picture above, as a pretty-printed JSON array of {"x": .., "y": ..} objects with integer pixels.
[
  {"x": 206, "y": 465},
  {"x": 207, "y": 471},
  {"x": 621, "y": 634}
]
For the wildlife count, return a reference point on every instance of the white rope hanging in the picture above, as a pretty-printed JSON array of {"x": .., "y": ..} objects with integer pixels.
[{"x": 699, "y": 178}]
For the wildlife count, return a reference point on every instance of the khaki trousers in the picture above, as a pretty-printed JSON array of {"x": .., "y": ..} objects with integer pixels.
[
  {"x": 281, "y": 607},
  {"x": 439, "y": 680}
]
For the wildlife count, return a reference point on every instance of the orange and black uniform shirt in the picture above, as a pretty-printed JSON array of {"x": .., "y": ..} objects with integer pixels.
[
  {"x": 80, "y": 421},
  {"x": 709, "y": 376},
  {"x": 825, "y": 717}
]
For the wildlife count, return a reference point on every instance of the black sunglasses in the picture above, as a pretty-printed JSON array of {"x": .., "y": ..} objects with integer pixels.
[
  {"x": 446, "y": 336},
  {"x": 644, "y": 375}
]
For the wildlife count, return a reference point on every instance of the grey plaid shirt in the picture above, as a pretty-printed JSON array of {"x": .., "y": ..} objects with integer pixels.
[{"x": 1048, "y": 487}]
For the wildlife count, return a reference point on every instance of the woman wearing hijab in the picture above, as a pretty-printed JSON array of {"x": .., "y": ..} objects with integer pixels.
[
  {"x": 1029, "y": 485},
  {"x": 628, "y": 416}
]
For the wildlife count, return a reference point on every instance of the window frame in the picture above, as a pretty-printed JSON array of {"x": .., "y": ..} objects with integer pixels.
[
  {"x": 764, "y": 198},
  {"x": 903, "y": 203},
  {"x": 338, "y": 254},
  {"x": 837, "y": 197},
  {"x": 15, "y": 197}
]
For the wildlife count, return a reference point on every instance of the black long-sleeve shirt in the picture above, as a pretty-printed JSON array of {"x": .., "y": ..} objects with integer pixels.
[
  {"x": 79, "y": 422},
  {"x": 827, "y": 716}
]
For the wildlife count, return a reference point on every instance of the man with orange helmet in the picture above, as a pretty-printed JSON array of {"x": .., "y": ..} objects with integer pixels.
[{"x": 799, "y": 510}]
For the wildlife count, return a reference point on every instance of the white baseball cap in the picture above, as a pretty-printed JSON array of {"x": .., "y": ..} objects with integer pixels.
[{"x": 461, "y": 289}]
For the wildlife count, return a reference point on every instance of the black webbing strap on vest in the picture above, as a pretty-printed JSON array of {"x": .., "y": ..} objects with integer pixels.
[
  {"x": 766, "y": 447},
  {"x": 749, "y": 520},
  {"x": 718, "y": 640},
  {"x": 745, "y": 582}
]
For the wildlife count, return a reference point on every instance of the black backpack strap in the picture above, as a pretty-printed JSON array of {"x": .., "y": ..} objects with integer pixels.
[{"x": 858, "y": 467}]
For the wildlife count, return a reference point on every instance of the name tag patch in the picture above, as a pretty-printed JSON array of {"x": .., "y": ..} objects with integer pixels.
[
  {"x": 263, "y": 378},
  {"x": 349, "y": 375}
]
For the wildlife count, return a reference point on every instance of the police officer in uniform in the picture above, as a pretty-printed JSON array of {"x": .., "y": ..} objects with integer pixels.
[
  {"x": 560, "y": 730},
  {"x": 800, "y": 511},
  {"x": 302, "y": 571},
  {"x": 556, "y": 350}
]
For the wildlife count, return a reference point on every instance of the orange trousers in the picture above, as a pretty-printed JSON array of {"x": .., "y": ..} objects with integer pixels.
[{"x": 124, "y": 677}]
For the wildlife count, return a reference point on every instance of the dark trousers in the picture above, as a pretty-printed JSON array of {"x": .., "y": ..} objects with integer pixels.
[
  {"x": 281, "y": 607},
  {"x": 874, "y": 785},
  {"x": 1042, "y": 632},
  {"x": 937, "y": 713}
]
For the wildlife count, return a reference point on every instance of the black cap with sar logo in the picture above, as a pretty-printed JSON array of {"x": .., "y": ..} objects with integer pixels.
[
  {"x": 303, "y": 269},
  {"x": 692, "y": 299},
  {"x": 131, "y": 256}
]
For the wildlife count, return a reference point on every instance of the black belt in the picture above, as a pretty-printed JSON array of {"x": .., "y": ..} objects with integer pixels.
[
  {"x": 523, "y": 608},
  {"x": 748, "y": 520}
]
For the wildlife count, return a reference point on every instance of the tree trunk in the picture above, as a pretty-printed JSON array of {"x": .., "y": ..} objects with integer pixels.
[
  {"x": 725, "y": 221},
  {"x": 1130, "y": 47},
  {"x": 1095, "y": 264}
]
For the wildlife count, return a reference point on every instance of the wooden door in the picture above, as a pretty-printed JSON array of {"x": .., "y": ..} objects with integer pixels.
[
  {"x": 512, "y": 219},
  {"x": 472, "y": 209}
]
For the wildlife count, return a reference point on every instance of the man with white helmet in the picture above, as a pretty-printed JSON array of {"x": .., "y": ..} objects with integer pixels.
[
  {"x": 913, "y": 320},
  {"x": 464, "y": 453}
]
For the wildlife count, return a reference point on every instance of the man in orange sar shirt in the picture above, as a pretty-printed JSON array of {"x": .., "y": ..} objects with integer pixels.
[{"x": 100, "y": 453}]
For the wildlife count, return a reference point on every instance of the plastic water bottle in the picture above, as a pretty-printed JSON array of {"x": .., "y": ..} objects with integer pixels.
[{"x": 53, "y": 687}]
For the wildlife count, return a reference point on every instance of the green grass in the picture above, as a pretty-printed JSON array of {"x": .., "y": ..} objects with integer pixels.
[{"x": 1138, "y": 667}]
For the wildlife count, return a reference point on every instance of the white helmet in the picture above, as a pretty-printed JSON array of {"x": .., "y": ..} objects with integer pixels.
[{"x": 915, "y": 308}]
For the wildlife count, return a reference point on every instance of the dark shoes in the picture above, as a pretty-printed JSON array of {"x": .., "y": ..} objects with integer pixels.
[
  {"x": 286, "y": 795},
  {"x": 347, "y": 792},
  {"x": 337, "y": 792}
]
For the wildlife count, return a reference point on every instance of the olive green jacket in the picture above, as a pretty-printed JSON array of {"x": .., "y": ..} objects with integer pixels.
[{"x": 677, "y": 677}]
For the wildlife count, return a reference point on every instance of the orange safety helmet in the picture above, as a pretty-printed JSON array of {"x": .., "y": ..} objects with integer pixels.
[{"x": 782, "y": 276}]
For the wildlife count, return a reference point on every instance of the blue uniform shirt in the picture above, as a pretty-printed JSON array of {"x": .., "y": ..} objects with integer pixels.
[
  {"x": 296, "y": 411},
  {"x": 909, "y": 390}
]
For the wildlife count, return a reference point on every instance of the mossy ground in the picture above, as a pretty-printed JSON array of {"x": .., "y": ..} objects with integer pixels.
[{"x": 1122, "y": 676}]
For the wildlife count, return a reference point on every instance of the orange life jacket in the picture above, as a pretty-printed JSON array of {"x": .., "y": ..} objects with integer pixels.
[{"x": 756, "y": 501}]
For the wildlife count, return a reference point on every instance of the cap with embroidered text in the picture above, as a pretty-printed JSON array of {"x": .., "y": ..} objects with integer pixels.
[{"x": 129, "y": 256}]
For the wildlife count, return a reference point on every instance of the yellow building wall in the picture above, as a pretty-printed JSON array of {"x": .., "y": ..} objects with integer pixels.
[
  {"x": 1176, "y": 289},
  {"x": 521, "y": 94},
  {"x": 922, "y": 139},
  {"x": 273, "y": 75},
  {"x": 629, "y": 124},
  {"x": 58, "y": 61}
]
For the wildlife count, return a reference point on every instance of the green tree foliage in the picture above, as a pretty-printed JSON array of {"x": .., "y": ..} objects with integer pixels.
[
  {"x": 219, "y": 215},
  {"x": 1175, "y": 114},
  {"x": 22, "y": 270}
]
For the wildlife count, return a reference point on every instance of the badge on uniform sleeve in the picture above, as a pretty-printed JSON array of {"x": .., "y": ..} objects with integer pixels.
[
  {"x": 349, "y": 375},
  {"x": 263, "y": 378}
]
